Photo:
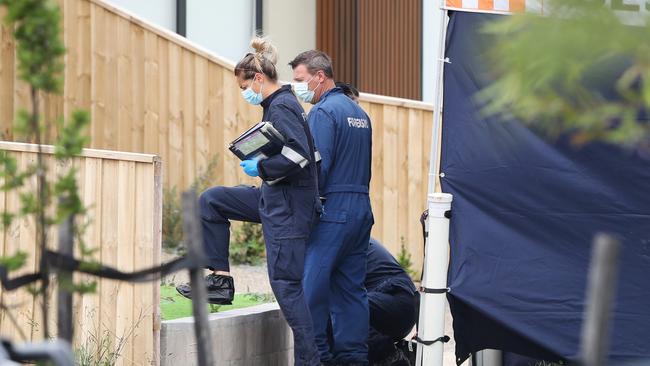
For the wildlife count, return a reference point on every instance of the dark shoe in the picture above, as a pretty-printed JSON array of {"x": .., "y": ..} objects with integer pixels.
[
  {"x": 409, "y": 349},
  {"x": 220, "y": 289},
  {"x": 397, "y": 358}
]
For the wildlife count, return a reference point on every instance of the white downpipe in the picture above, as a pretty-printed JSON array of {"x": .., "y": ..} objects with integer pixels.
[{"x": 431, "y": 324}]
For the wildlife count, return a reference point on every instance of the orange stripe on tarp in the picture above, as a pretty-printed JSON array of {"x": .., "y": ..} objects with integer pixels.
[
  {"x": 455, "y": 3},
  {"x": 517, "y": 5},
  {"x": 486, "y": 4}
]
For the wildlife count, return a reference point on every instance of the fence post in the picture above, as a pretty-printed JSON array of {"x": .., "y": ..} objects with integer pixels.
[
  {"x": 194, "y": 242},
  {"x": 64, "y": 278},
  {"x": 601, "y": 288}
]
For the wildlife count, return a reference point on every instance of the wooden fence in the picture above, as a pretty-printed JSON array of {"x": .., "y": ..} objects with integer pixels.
[
  {"x": 123, "y": 192},
  {"x": 152, "y": 91}
]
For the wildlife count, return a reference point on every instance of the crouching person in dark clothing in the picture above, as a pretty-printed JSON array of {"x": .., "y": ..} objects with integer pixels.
[{"x": 393, "y": 301}]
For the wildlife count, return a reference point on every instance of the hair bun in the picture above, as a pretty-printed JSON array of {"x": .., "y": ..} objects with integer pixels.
[{"x": 265, "y": 49}]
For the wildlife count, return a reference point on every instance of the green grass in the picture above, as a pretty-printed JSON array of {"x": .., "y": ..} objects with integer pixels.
[{"x": 173, "y": 305}]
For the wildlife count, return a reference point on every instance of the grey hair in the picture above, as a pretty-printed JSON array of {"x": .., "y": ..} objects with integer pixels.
[{"x": 315, "y": 61}]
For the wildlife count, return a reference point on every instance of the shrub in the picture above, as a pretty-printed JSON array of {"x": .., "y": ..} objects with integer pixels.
[
  {"x": 247, "y": 244},
  {"x": 172, "y": 221},
  {"x": 404, "y": 260}
]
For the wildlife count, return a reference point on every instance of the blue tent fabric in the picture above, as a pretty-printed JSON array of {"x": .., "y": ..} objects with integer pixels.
[{"x": 525, "y": 211}]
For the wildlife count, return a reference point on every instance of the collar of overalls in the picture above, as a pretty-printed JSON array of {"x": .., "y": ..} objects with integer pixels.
[
  {"x": 283, "y": 89},
  {"x": 332, "y": 91}
]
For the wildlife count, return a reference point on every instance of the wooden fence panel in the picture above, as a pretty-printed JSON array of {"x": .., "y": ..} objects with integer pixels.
[
  {"x": 123, "y": 193},
  {"x": 152, "y": 91}
]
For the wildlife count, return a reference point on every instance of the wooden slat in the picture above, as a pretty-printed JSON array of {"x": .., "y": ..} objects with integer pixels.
[
  {"x": 92, "y": 198},
  {"x": 216, "y": 118},
  {"x": 156, "y": 256},
  {"x": 143, "y": 255},
  {"x": 108, "y": 290},
  {"x": 11, "y": 244},
  {"x": 151, "y": 94},
  {"x": 175, "y": 141},
  {"x": 230, "y": 105},
  {"x": 164, "y": 105},
  {"x": 125, "y": 86},
  {"x": 201, "y": 114},
  {"x": 376, "y": 113},
  {"x": 187, "y": 114},
  {"x": 416, "y": 191},
  {"x": 403, "y": 200},
  {"x": 27, "y": 242},
  {"x": 3, "y": 209},
  {"x": 7, "y": 77},
  {"x": 125, "y": 250},
  {"x": 390, "y": 180},
  {"x": 139, "y": 90}
]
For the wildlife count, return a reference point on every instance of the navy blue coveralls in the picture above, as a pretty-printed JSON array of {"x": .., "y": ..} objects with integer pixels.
[
  {"x": 335, "y": 266},
  {"x": 287, "y": 210},
  {"x": 392, "y": 299}
]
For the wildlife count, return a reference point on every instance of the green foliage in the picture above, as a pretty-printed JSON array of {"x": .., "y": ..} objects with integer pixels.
[
  {"x": 172, "y": 225},
  {"x": 404, "y": 260},
  {"x": 247, "y": 244},
  {"x": 39, "y": 47},
  {"x": 553, "y": 69},
  {"x": 172, "y": 222},
  {"x": 14, "y": 262},
  {"x": 72, "y": 137}
]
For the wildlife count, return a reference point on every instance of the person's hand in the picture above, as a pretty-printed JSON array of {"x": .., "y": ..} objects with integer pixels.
[{"x": 250, "y": 167}]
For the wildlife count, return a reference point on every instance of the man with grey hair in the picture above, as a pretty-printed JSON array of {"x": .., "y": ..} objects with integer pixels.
[{"x": 336, "y": 258}]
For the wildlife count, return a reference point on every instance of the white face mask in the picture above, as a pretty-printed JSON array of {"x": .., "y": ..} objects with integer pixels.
[
  {"x": 302, "y": 91},
  {"x": 251, "y": 97}
]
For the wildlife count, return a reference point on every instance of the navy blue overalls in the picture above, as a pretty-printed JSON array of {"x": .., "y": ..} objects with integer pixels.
[
  {"x": 335, "y": 266},
  {"x": 288, "y": 210},
  {"x": 392, "y": 300}
]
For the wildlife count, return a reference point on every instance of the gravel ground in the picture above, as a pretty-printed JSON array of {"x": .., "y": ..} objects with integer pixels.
[{"x": 248, "y": 279}]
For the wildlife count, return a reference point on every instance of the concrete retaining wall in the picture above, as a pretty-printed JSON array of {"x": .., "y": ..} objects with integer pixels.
[{"x": 257, "y": 335}]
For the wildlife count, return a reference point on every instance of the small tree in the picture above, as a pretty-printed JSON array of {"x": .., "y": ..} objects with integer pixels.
[
  {"x": 579, "y": 69},
  {"x": 39, "y": 52}
]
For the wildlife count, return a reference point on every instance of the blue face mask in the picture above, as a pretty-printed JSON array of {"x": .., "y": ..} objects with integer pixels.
[
  {"x": 302, "y": 90},
  {"x": 251, "y": 97}
]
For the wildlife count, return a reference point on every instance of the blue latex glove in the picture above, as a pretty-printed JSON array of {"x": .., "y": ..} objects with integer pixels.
[{"x": 250, "y": 167}]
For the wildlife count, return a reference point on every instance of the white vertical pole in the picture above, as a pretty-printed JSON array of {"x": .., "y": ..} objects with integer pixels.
[
  {"x": 439, "y": 38},
  {"x": 431, "y": 324}
]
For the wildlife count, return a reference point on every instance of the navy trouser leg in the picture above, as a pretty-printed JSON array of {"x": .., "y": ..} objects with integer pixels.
[
  {"x": 335, "y": 271},
  {"x": 287, "y": 216},
  {"x": 322, "y": 252},
  {"x": 285, "y": 261},
  {"x": 218, "y": 205},
  {"x": 349, "y": 301},
  {"x": 392, "y": 316}
]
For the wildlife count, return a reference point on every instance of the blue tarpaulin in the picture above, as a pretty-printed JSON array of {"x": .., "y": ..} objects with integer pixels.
[{"x": 525, "y": 211}]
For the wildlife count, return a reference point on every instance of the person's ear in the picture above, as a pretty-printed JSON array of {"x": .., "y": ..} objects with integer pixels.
[{"x": 321, "y": 76}]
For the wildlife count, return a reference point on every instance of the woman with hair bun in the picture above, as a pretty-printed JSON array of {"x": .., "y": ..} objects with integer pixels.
[{"x": 287, "y": 209}]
